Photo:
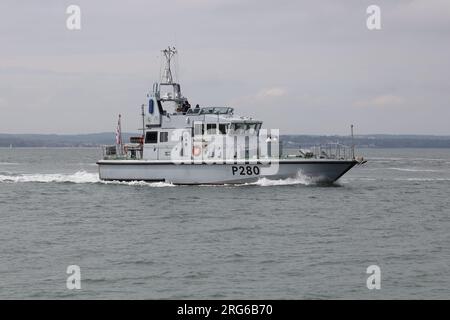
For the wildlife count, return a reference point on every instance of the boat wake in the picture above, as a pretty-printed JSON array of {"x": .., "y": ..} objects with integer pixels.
[
  {"x": 300, "y": 179},
  {"x": 78, "y": 177},
  {"x": 264, "y": 182},
  {"x": 8, "y": 163},
  {"x": 139, "y": 183},
  {"x": 85, "y": 177}
]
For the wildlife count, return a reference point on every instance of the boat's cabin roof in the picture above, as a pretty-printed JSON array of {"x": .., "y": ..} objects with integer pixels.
[
  {"x": 175, "y": 112},
  {"x": 210, "y": 110},
  {"x": 180, "y": 117}
]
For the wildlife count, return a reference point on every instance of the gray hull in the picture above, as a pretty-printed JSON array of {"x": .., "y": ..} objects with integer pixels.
[{"x": 317, "y": 170}]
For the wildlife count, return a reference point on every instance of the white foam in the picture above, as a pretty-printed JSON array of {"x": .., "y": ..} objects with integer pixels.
[
  {"x": 8, "y": 163},
  {"x": 139, "y": 183},
  {"x": 78, "y": 177},
  {"x": 299, "y": 179}
]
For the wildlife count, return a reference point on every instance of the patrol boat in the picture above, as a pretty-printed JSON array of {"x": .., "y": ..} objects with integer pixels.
[{"x": 182, "y": 144}]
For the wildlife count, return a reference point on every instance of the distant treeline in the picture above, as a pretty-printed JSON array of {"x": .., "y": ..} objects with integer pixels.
[
  {"x": 370, "y": 141},
  {"x": 55, "y": 140},
  {"x": 289, "y": 141}
]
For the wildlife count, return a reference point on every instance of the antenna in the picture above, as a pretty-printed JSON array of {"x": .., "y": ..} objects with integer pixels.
[
  {"x": 143, "y": 120},
  {"x": 168, "y": 54},
  {"x": 353, "y": 143}
]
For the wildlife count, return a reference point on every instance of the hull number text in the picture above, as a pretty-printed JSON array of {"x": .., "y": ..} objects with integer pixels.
[{"x": 245, "y": 170}]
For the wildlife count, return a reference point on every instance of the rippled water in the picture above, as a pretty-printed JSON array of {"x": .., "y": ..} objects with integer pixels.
[{"x": 272, "y": 239}]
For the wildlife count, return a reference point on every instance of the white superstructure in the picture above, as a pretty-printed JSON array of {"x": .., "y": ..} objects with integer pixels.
[{"x": 185, "y": 144}]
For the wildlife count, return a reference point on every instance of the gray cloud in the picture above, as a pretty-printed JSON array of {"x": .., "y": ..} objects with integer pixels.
[{"x": 301, "y": 66}]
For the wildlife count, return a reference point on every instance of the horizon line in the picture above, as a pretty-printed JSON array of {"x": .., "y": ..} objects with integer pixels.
[{"x": 281, "y": 134}]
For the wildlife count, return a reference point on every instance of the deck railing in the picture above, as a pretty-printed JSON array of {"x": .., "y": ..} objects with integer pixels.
[
  {"x": 335, "y": 151},
  {"x": 122, "y": 152}
]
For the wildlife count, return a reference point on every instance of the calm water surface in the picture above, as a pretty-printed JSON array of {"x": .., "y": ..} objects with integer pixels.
[{"x": 286, "y": 239}]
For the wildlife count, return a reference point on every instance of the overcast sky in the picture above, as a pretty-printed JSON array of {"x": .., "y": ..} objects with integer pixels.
[{"x": 307, "y": 67}]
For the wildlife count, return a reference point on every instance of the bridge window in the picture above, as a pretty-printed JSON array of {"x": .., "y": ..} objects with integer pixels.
[
  {"x": 150, "y": 106},
  {"x": 251, "y": 128},
  {"x": 245, "y": 128},
  {"x": 238, "y": 128},
  {"x": 151, "y": 137},
  {"x": 163, "y": 136},
  {"x": 222, "y": 128},
  {"x": 198, "y": 129},
  {"x": 211, "y": 128}
]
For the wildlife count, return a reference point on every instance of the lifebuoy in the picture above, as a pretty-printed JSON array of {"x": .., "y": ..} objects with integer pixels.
[{"x": 196, "y": 151}]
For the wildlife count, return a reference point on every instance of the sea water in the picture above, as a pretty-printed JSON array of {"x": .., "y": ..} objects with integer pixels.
[{"x": 285, "y": 239}]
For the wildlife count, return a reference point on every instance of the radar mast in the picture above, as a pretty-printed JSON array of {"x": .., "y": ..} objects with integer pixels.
[
  {"x": 168, "y": 54},
  {"x": 172, "y": 89}
]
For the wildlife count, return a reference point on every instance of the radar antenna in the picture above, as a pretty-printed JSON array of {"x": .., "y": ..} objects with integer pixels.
[
  {"x": 168, "y": 89},
  {"x": 168, "y": 54}
]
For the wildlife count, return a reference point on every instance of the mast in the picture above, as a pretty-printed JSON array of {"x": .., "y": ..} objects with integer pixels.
[
  {"x": 143, "y": 120},
  {"x": 119, "y": 136},
  {"x": 168, "y": 89},
  {"x": 168, "y": 54},
  {"x": 353, "y": 143}
]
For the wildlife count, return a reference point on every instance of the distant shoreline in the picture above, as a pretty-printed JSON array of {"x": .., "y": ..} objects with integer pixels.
[
  {"x": 96, "y": 140},
  {"x": 286, "y": 147}
]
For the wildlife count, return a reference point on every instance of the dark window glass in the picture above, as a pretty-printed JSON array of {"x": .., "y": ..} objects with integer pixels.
[
  {"x": 222, "y": 128},
  {"x": 150, "y": 106},
  {"x": 211, "y": 128},
  {"x": 163, "y": 136},
  {"x": 151, "y": 137}
]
